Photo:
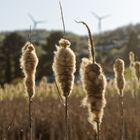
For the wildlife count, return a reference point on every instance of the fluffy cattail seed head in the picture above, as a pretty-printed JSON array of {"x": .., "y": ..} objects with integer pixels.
[
  {"x": 64, "y": 66},
  {"x": 64, "y": 43},
  {"x": 119, "y": 74},
  {"x": 29, "y": 62},
  {"x": 137, "y": 69},
  {"x": 131, "y": 58},
  {"x": 94, "y": 84},
  {"x": 25, "y": 46}
]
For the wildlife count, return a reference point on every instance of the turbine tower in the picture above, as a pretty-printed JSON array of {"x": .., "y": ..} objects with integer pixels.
[
  {"x": 35, "y": 22},
  {"x": 99, "y": 18}
]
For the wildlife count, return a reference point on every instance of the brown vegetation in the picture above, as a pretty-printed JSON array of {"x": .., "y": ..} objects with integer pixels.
[{"x": 48, "y": 116}]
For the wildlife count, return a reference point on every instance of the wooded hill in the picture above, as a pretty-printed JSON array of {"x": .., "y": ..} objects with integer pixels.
[{"x": 109, "y": 45}]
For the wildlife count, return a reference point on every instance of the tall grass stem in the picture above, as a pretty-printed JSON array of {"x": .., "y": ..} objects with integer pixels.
[
  {"x": 30, "y": 118},
  {"x": 66, "y": 118},
  {"x": 122, "y": 116}
]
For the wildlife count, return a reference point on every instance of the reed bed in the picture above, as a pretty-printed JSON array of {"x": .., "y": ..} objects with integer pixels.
[{"x": 48, "y": 122}]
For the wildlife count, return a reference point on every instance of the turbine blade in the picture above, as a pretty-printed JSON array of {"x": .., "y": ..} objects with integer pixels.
[
  {"x": 105, "y": 16},
  {"x": 95, "y": 15},
  {"x": 31, "y": 17},
  {"x": 41, "y": 21}
]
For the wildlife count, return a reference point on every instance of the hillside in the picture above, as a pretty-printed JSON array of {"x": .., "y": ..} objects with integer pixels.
[
  {"x": 118, "y": 35},
  {"x": 109, "y": 46}
]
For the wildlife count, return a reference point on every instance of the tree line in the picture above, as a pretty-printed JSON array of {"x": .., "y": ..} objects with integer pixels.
[{"x": 10, "y": 51}]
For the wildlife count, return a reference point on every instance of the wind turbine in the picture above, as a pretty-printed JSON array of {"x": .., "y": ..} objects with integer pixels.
[
  {"x": 100, "y": 18},
  {"x": 35, "y": 22}
]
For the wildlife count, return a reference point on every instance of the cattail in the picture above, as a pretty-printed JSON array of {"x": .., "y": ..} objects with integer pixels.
[
  {"x": 137, "y": 70},
  {"x": 64, "y": 66},
  {"x": 134, "y": 66},
  {"x": 29, "y": 62},
  {"x": 25, "y": 47},
  {"x": 94, "y": 83},
  {"x": 131, "y": 65},
  {"x": 120, "y": 84},
  {"x": 119, "y": 75},
  {"x": 136, "y": 78},
  {"x": 131, "y": 58},
  {"x": 134, "y": 69}
]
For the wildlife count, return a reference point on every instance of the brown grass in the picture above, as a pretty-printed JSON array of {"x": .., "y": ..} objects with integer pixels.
[{"x": 48, "y": 116}]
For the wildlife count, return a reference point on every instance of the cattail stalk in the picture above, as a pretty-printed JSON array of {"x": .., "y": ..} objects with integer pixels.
[
  {"x": 98, "y": 130},
  {"x": 30, "y": 118},
  {"x": 120, "y": 84},
  {"x": 135, "y": 70},
  {"x": 64, "y": 67},
  {"x": 66, "y": 118},
  {"x": 136, "y": 81},
  {"x": 59, "y": 94},
  {"x": 29, "y": 62},
  {"x": 94, "y": 84},
  {"x": 90, "y": 41},
  {"x": 65, "y": 44},
  {"x": 137, "y": 85}
]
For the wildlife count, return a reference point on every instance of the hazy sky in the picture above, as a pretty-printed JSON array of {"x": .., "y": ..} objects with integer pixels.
[{"x": 14, "y": 14}]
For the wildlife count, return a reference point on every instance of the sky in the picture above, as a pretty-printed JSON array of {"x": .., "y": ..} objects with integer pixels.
[{"x": 14, "y": 14}]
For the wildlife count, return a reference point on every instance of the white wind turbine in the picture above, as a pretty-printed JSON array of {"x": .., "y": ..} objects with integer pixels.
[
  {"x": 35, "y": 22},
  {"x": 100, "y": 18}
]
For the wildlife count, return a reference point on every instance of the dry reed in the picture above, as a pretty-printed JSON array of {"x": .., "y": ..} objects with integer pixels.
[
  {"x": 94, "y": 83},
  {"x": 131, "y": 58},
  {"x": 131, "y": 65},
  {"x": 137, "y": 70},
  {"x": 120, "y": 84},
  {"x": 64, "y": 67},
  {"x": 119, "y": 75},
  {"x": 29, "y": 62}
]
